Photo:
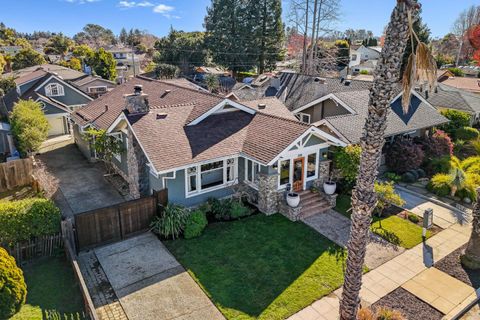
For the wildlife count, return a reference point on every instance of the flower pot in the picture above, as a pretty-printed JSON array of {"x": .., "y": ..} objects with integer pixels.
[
  {"x": 329, "y": 187},
  {"x": 293, "y": 199}
]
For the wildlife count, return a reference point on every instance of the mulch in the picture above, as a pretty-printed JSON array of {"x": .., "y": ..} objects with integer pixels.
[
  {"x": 409, "y": 305},
  {"x": 452, "y": 266}
]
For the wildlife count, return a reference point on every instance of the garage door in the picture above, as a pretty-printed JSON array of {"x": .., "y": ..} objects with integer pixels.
[{"x": 56, "y": 126}]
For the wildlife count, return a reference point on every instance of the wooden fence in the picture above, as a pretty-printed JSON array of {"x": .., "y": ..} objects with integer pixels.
[
  {"x": 117, "y": 222},
  {"x": 69, "y": 241},
  {"x": 37, "y": 247},
  {"x": 15, "y": 173}
]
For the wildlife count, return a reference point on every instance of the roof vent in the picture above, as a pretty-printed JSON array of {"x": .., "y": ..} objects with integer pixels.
[
  {"x": 161, "y": 116},
  {"x": 320, "y": 80},
  {"x": 348, "y": 82},
  {"x": 137, "y": 89},
  {"x": 165, "y": 93},
  {"x": 261, "y": 106}
]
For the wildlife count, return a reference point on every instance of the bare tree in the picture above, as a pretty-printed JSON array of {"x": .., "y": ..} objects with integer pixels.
[{"x": 465, "y": 21}]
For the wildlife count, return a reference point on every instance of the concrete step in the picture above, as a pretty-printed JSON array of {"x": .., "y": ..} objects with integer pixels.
[{"x": 313, "y": 210}]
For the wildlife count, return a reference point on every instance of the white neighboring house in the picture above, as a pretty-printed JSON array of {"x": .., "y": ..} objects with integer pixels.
[{"x": 360, "y": 57}]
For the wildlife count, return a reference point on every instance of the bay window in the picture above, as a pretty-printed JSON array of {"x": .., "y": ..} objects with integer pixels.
[{"x": 210, "y": 176}]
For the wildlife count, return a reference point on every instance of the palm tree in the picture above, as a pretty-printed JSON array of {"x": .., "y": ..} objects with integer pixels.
[
  {"x": 471, "y": 258},
  {"x": 363, "y": 197}
]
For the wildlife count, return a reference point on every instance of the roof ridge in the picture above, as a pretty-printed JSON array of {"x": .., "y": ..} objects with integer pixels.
[
  {"x": 282, "y": 118},
  {"x": 174, "y": 105}
]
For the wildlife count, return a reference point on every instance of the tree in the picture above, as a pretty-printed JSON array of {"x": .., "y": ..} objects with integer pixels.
[
  {"x": 105, "y": 146},
  {"x": 13, "y": 290},
  {"x": 59, "y": 44},
  {"x": 103, "y": 64},
  {"x": 386, "y": 195},
  {"x": 27, "y": 58},
  {"x": 166, "y": 71},
  {"x": 343, "y": 52},
  {"x": 212, "y": 82},
  {"x": 95, "y": 36},
  {"x": 123, "y": 36},
  {"x": 3, "y": 63},
  {"x": 471, "y": 257},
  {"x": 182, "y": 49},
  {"x": 347, "y": 161},
  {"x": 73, "y": 63},
  {"x": 364, "y": 198},
  {"x": 29, "y": 126},
  {"x": 7, "y": 84},
  {"x": 465, "y": 22}
]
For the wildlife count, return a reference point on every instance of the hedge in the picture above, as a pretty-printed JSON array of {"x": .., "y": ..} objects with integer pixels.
[
  {"x": 13, "y": 290},
  {"x": 24, "y": 219}
]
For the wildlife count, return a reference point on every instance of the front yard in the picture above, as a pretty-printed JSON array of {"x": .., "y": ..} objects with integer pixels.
[
  {"x": 262, "y": 266},
  {"x": 52, "y": 291}
]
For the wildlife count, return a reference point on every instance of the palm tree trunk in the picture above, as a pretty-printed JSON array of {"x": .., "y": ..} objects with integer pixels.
[
  {"x": 471, "y": 258},
  {"x": 363, "y": 197}
]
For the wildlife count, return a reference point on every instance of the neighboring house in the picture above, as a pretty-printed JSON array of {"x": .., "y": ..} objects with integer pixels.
[
  {"x": 368, "y": 66},
  {"x": 362, "y": 54},
  {"x": 265, "y": 85},
  {"x": 447, "y": 97},
  {"x": 200, "y": 145},
  {"x": 10, "y": 50},
  {"x": 57, "y": 97},
  {"x": 63, "y": 72},
  {"x": 94, "y": 86},
  {"x": 200, "y": 73},
  {"x": 128, "y": 63},
  {"x": 463, "y": 83}
]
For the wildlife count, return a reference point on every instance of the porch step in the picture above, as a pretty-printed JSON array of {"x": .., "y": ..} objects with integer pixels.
[{"x": 312, "y": 203}]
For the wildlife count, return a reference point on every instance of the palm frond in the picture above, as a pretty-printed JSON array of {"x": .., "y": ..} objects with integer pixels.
[{"x": 408, "y": 82}]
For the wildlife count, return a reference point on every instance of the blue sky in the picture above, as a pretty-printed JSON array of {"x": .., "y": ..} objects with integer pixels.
[{"x": 156, "y": 16}]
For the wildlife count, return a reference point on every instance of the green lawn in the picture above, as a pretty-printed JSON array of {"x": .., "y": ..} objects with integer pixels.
[
  {"x": 398, "y": 231},
  {"x": 344, "y": 203},
  {"x": 52, "y": 291},
  {"x": 263, "y": 267}
]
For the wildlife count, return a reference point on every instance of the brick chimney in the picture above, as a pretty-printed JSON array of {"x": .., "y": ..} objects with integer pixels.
[{"x": 137, "y": 102}]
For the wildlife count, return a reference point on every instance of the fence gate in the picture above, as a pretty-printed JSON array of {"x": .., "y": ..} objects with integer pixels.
[{"x": 117, "y": 222}]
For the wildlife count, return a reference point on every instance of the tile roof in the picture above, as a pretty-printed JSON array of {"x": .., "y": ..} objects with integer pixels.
[
  {"x": 452, "y": 98},
  {"x": 351, "y": 126}
]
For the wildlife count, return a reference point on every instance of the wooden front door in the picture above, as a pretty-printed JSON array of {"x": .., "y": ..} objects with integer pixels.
[{"x": 298, "y": 165}]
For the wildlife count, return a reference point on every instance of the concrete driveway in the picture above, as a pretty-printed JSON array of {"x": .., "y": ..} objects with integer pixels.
[
  {"x": 82, "y": 186},
  {"x": 151, "y": 284}
]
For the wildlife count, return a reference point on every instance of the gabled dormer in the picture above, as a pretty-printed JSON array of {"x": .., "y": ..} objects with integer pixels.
[{"x": 225, "y": 105}]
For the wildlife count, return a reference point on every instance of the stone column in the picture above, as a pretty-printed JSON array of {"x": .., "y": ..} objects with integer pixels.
[
  {"x": 138, "y": 170},
  {"x": 267, "y": 193},
  {"x": 323, "y": 173}
]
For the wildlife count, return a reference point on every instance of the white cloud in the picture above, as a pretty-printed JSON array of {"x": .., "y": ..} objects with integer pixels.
[
  {"x": 81, "y": 1},
  {"x": 133, "y": 4},
  {"x": 163, "y": 9}
]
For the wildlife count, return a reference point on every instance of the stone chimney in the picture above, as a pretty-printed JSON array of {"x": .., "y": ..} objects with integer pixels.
[{"x": 137, "y": 102}]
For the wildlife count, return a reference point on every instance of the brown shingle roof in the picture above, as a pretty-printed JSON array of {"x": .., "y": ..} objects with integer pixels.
[{"x": 273, "y": 106}]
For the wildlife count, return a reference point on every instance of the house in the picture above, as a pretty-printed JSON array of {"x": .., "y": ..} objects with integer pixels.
[
  {"x": 362, "y": 54},
  {"x": 10, "y": 50},
  {"x": 57, "y": 97},
  {"x": 462, "y": 83},
  {"x": 448, "y": 97},
  {"x": 128, "y": 63},
  {"x": 200, "y": 145},
  {"x": 94, "y": 86}
]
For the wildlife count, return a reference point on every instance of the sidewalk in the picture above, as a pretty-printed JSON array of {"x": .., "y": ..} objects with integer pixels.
[{"x": 393, "y": 274}]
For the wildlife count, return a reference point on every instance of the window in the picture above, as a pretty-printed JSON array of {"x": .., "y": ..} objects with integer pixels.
[
  {"x": 101, "y": 89},
  {"x": 251, "y": 172},
  {"x": 118, "y": 138},
  {"x": 284, "y": 172},
  {"x": 54, "y": 90},
  {"x": 311, "y": 165},
  {"x": 303, "y": 117},
  {"x": 354, "y": 57},
  {"x": 210, "y": 176}
]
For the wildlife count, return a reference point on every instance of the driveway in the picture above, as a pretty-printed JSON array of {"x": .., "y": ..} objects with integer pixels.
[
  {"x": 150, "y": 283},
  {"x": 81, "y": 184}
]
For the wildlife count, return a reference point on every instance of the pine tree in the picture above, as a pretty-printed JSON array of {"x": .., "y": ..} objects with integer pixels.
[{"x": 123, "y": 36}]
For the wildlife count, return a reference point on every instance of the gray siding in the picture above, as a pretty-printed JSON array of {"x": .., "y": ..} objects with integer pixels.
[
  {"x": 51, "y": 109},
  {"x": 71, "y": 97},
  {"x": 324, "y": 109},
  {"x": 81, "y": 144}
]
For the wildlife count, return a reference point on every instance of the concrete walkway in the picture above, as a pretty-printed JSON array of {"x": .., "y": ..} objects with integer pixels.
[
  {"x": 393, "y": 274},
  {"x": 336, "y": 227}
]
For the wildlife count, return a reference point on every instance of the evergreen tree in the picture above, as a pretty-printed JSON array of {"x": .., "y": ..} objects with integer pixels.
[
  {"x": 103, "y": 64},
  {"x": 27, "y": 58},
  {"x": 59, "y": 44},
  {"x": 123, "y": 36}
]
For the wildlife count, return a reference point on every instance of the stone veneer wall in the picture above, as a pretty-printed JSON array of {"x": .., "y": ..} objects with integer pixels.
[
  {"x": 137, "y": 169},
  {"x": 267, "y": 193}
]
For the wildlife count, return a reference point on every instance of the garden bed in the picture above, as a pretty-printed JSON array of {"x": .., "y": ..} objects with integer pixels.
[
  {"x": 452, "y": 266},
  {"x": 261, "y": 266},
  {"x": 53, "y": 292},
  {"x": 410, "y": 306}
]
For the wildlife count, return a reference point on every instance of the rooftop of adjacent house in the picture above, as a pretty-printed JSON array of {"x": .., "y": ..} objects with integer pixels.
[
  {"x": 445, "y": 96},
  {"x": 87, "y": 79},
  {"x": 464, "y": 83},
  {"x": 421, "y": 115},
  {"x": 26, "y": 73},
  {"x": 171, "y": 138}
]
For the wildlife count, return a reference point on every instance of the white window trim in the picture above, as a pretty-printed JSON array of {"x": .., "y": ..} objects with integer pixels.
[
  {"x": 60, "y": 90},
  {"x": 302, "y": 154},
  {"x": 300, "y": 116},
  {"x": 118, "y": 136},
  {"x": 246, "y": 181},
  {"x": 198, "y": 174},
  {"x": 96, "y": 87}
]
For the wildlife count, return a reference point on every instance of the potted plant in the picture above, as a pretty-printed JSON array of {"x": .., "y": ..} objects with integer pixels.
[
  {"x": 329, "y": 186},
  {"x": 293, "y": 199}
]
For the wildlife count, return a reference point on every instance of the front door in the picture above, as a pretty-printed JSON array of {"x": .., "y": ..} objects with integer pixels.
[{"x": 298, "y": 165}]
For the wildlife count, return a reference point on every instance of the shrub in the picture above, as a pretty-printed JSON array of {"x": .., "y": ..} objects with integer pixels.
[
  {"x": 170, "y": 223},
  {"x": 29, "y": 125},
  {"x": 219, "y": 209},
  {"x": 476, "y": 145},
  {"x": 413, "y": 218},
  {"x": 440, "y": 184},
  {"x": 13, "y": 289},
  {"x": 457, "y": 72},
  {"x": 196, "y": 222},
  {"x": 466, "y": 133},
  {"x": 439, "y": 144},
  {"x": 389, "y": 314},
  {"x": 23, "y": 219},
  {"x": 458, "y": 119},
  {"x": 392, "y": 176},
  {"x": 414, "y": 174},
  {"x": 364, "y": 72},
  {"x": 347, "y": 161},
  {"x": 404, "y": 155},
  {"x": 421, "y": 173},
  {"x": 238, "y": 210},
  {"x": 438, "y": 165},
  {"x": 386, "y": 196},
  {"x": 408, "y": 177}
]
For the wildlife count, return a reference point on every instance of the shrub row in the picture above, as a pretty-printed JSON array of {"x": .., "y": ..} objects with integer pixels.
[{"x": 23, "y": 219}]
